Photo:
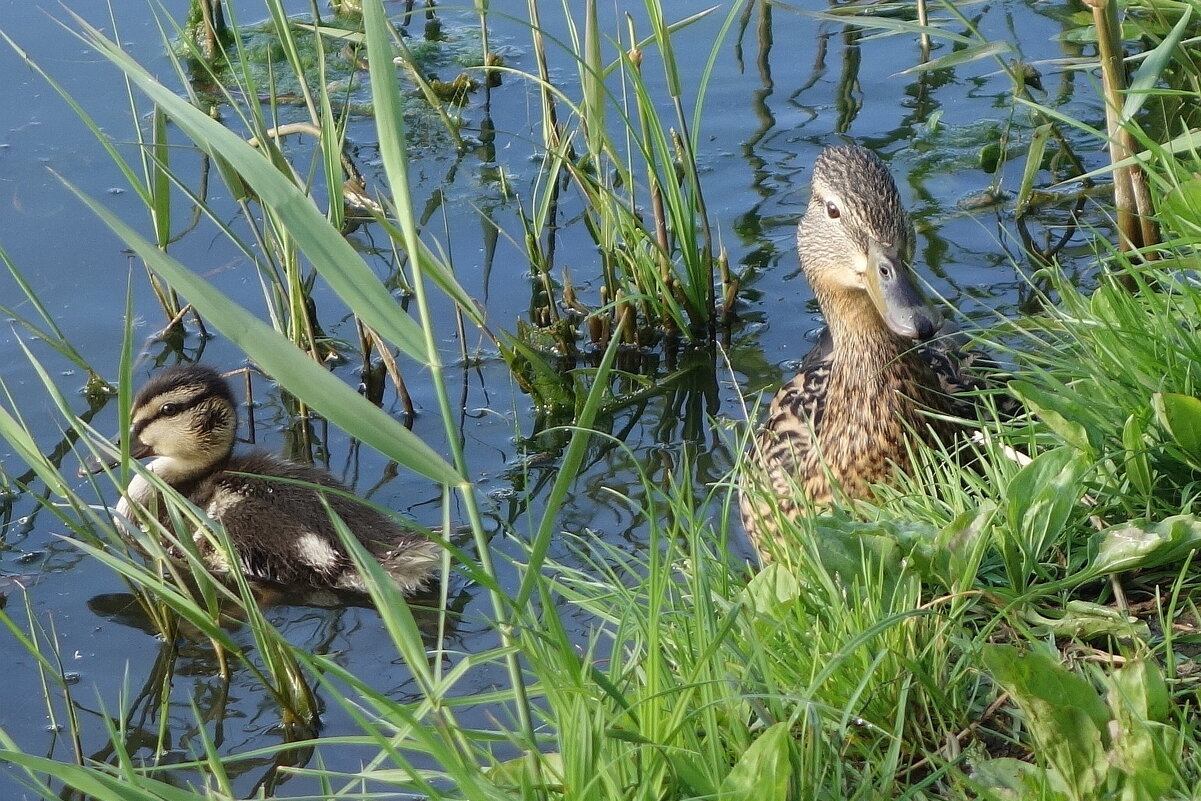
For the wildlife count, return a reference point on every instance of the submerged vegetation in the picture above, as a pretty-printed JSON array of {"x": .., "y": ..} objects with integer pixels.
[{"x": 1017, "y": 625}]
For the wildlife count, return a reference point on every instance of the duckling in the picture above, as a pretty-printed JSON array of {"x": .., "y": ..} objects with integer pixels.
[
  {"x": 186, "y": 418},
  {"x": 848, "y": 418}
]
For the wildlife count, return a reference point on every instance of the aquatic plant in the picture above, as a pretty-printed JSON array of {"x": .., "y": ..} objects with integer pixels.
[{"x": 628, "y": 166}]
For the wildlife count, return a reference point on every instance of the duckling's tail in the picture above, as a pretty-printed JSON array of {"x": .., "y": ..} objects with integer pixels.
[{"x": 412, "y": 563}]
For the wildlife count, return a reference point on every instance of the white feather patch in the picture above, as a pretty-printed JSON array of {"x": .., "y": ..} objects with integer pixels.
[{"x": 317, "y": 552}]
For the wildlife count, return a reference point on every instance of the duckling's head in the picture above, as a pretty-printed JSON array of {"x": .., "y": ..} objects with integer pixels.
[
  {"x": 186, "y": 413},
  {"x": 856, "y": 242}
]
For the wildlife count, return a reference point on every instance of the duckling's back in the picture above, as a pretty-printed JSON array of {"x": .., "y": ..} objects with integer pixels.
[{"x": 283, "y": 531}]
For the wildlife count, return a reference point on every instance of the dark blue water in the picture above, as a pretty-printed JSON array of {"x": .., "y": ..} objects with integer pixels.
[{"x": 784, "y": 86}]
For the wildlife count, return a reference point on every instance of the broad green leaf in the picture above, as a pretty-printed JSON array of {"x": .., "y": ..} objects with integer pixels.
[
  {"x": 1138, "y": 466},
  {"x": 1042, "y": 497},
  {"x": 1181, "y": 206},
  {"x": 1064, "y": 713},
  {"x": 882, "y": 554},
  {"x": 691, "y": 770},
  {"x": 1142, "y": 543},
  {"x": 1016, "y": 780},
  {"x": 1083, "y": 620},
  {"x": 1140, "y": 685},
  {"x": 855, "y": 551},
  {"x": 1145, "y": 750},
  {"x": 773, "y": 589},
  {"x": 1059, "y": 415},
  {"x": 955, "y": 551},
  {"x": 284, "y": 362},
  {"x": 763, "y": 772},
  {"x": 1180, "y": 415}
]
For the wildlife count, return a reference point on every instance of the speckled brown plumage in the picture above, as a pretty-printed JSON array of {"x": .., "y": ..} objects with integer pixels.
[{"x": 848, "y": 418}]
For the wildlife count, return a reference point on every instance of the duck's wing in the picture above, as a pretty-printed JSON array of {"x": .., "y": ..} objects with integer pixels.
[
  {"x": 801, "y": 402},
  {"x": 284, "y": 550},
  {"x": 783, "y": 454},
  {"x": 281, "y": 531},
  {"x": 821, "y": 354},
  {"x": 965, "y": 375},
  {"x": 787, "y": 446}
]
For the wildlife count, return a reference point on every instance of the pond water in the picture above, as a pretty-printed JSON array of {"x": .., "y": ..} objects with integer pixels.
[{"x": 784, "y": 85}]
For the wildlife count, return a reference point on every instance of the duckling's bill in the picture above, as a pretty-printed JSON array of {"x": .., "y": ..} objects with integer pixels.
[
  {"x": 900, "y": 303},
  {"x": 99, "y": 461}
]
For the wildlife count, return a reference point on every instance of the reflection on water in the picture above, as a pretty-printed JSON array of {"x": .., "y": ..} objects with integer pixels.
[
  {"x": 784, "y": 86},
  {"x": 188, "y": 692},
  {"x": 155, "y": 727}
]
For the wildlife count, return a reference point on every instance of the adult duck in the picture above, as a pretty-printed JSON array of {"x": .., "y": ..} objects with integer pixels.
[{"x": 868, "y": 392}]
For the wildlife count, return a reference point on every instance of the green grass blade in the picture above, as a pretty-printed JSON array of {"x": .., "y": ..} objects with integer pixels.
[
  {"x": 98, "y": 785},
  {"x": 331, "y": 255},
  {"x": 389, "y": 120},
  {"x": 569, "y": 469},
  {"x": 1151, "y": 70},
  {"x": 294, "y": 370}
]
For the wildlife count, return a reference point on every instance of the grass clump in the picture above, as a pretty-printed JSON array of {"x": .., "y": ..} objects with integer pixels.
[{"x": 634, "y": 183}]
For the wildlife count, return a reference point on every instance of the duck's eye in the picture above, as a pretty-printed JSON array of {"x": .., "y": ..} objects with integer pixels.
[
  {"x": 169, "y": 409},
  {"x": 832, "y": 210}
]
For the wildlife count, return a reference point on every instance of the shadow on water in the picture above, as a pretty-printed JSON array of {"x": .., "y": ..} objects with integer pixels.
[
  {"x": 152, "y": 733},
  {"x": 226, "y": 698}
]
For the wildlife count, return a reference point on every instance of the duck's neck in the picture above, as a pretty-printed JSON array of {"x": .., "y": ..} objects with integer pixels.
[
  {"x": 863, "y": 347},
  {"x": 176, "y": 471}
]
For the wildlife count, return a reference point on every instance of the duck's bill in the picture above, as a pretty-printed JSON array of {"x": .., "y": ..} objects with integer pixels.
[
  {"x": 901, "y": 305},
  {"x": 97, "y": 462}
]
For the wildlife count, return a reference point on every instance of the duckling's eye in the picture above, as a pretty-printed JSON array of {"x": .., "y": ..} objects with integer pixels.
[
  {"x": 169, "y": 409},
  {"x": 832, "y": 210}
]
